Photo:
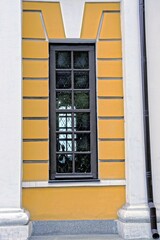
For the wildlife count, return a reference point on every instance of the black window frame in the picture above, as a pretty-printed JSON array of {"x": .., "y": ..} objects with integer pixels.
[{"x": 79, "y": 46}]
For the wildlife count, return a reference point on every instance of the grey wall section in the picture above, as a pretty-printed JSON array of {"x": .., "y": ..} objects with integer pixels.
[{"x": 74, "y": 227}]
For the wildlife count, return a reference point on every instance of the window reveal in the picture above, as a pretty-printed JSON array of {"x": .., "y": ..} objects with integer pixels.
[{"x": 73, "y": 145}]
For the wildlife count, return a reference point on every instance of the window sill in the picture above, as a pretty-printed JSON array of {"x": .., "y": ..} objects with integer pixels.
[{"x": 55, "y": 184}]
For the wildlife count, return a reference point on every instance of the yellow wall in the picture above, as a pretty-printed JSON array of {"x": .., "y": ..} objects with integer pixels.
[
  {"x": 43, "y": 21},
  {"x": 73, "y": 203}
]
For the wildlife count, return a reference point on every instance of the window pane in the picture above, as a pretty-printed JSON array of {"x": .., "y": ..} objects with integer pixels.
[
  {"x": 63, "y": 122},
  {"x": 81, "y": 121},
  {"x": 82, "y": 142},
  {"x": 64, "y": 142},
  {"x": 63, "y": 79},
  {"x": 81, "y": 60},
  {"x": 81, "y": 80},
  {"x": 63, "y": 100},
  {"x": 81, "y": 100},
  {"x": 63, "y": 59},
  {"x": 64, "y": 163},
  {"x": 82, "y": 163}
]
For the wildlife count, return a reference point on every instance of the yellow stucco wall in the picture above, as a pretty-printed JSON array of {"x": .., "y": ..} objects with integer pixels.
[
  {"x": 73, "y": 203},
  {"x": 43, "y": 21}
]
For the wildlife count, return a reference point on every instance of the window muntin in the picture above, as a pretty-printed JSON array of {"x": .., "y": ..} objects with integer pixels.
[{"x": 73, "y": 144}]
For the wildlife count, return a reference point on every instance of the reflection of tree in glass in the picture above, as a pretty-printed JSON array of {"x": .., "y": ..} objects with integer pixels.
[
  {"x": 81, "y": 59},
  {"x": 64, "y": 163},
  {"x": 82, "y": 100},
  {"x": 63, "y": 100},
  {"x": 83, "y": 163},
  {"x": 82, "y": 121},
  {"x": 81, "y": 80},
  {"x": 82, "y": 142},
  {"x": 63, "y": 59}
]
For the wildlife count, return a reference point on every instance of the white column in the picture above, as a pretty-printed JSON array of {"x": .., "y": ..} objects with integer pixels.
[
  {"x": 153, "y": 57},
  {"x": 134, "y": 216},
  {"x": 14, "y": 221}
]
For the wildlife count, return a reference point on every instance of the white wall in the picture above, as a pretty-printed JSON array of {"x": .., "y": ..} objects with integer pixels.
[{"x": 153, "y": 56}]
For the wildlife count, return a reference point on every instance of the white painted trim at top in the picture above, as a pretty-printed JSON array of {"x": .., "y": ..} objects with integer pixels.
[
  {"x": 102, "y": 183},
  {"x": 111, "y": 1},
  {"x": 72, "y": 14}
]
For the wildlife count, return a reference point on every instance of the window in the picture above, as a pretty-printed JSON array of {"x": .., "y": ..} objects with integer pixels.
[{"x": 73, "y": 137}]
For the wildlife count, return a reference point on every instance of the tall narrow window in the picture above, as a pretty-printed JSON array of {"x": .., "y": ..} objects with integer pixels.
[{"x": 73, "y": 138}]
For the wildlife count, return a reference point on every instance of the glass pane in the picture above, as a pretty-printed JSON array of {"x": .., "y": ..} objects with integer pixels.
[
  {"x": 82, "y": 142},
  {"x": 81, "y": 60},
  {"x": 82, "y": 163},
  {"x": 81, "y": 121},
  {"x": 63, "y": 79},
  {"x": 64, "y": 163},
  {"x": 63, "y": 59},
  {"x": 81, "y": 100},
  {"x": 81, "y": 80},
  {"x": 64, "y": 142},
  {"x": 63, "y": 100},
  {"x": 63, "y": 122}
]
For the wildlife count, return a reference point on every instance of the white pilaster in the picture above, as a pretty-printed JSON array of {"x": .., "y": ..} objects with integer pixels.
[
  {"x": 14, "y": 221},
  {"x": 134, "y": 216}
]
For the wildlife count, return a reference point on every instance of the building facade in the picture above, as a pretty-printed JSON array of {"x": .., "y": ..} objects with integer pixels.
[{"x": 72, "y": 145}]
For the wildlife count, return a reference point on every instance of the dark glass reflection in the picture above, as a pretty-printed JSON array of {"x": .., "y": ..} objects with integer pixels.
[
  {"x": 81, "y": 100},
  {"x": 64, "y": 142},
  {"x": 82, "y": 163},
  {"x": 63, "y": 59},
  {"x": 63, "y": 100},
  {"x": 82, "y": 142},
  {"x": 81, "y": 121},
  {"x": 81, "y": 80},
  {"x": 63, "y": 79},
  {"x": 80, "y": 60},
  {"x": 64, "y": 163},
  {"x": 63, "y": 122}
]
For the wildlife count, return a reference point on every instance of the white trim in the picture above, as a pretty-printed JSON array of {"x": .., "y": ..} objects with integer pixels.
[
  {"x": 44, "y": 26},
  {"x": 72, "y": 14},
  {"x": 45, "y": 184}
]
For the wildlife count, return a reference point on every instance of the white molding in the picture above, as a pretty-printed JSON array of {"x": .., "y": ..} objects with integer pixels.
[
  {"x": 45, "y": 184},
  {"x": 13, "y": 216}
]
